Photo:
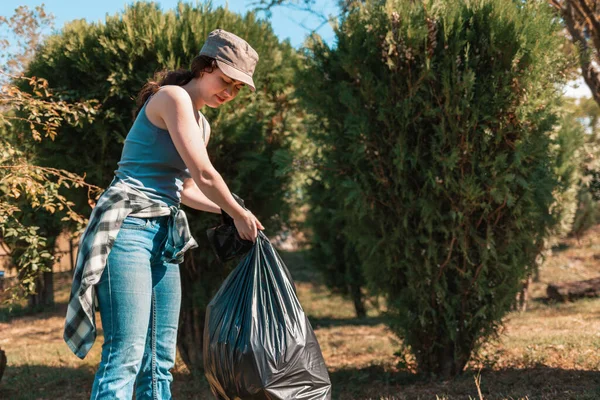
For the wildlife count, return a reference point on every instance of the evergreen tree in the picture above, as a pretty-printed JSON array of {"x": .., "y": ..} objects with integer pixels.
[{"x": 440, "y": 120}]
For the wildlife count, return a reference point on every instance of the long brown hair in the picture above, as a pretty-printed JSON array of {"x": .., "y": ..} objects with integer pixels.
[{"x": 180, "y": 77}]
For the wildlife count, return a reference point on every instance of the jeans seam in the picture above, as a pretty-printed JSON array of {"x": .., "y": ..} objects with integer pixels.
[
  {"x": 153, "y": 343},
  {"x": 112, "y": 323}
]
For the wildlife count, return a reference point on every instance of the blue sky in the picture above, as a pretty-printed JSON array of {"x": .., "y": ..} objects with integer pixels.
[
  {"x": 578, "y": 88},
  {"x": 286, "y": 22}
]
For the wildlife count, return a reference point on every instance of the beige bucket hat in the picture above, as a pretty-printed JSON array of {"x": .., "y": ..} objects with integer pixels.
[{"x": 234, "y": 56}]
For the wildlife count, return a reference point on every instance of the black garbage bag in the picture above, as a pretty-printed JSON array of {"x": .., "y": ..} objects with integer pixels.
[
  {"x": 225, "y": 240},
  {"x": 258, "y": 343}
]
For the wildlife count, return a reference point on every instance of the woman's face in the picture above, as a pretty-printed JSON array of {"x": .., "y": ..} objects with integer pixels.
[{"x": 217, "y": 88}]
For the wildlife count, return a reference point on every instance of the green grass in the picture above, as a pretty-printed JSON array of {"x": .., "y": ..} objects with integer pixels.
[{"x": 552, "y": 351}]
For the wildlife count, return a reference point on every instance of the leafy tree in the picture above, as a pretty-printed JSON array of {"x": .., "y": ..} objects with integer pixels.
[
  {"x": 441, "y": 122},
  {"x": 29, "y": 189}
]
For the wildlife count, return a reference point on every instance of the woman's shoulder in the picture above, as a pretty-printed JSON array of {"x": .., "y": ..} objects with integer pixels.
[
  {"x": 172, "y": 93},
  {"x": 168, "y": 99}
]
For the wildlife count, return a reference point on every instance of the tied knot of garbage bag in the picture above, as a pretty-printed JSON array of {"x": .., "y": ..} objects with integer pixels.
[{"x": 225, "y": 239}]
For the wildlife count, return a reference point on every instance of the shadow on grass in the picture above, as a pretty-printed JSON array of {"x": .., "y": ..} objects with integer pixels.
[
  {"x": 188, "y": 386},
  {"x": 18, "y": 311},
  {"x": 36, "y": 382},
  {"x": 31, "y": 382},
  {"x": 560, "y": 247},
  {"x": 540, "y": 383},
  {"x": 565, "y": 307},
  {"x": 317, "y": 322}
]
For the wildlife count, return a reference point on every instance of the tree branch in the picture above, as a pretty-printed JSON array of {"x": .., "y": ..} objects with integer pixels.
[
  {"x": 591, "y": 20},
  {"x": 575, "y": 18}
]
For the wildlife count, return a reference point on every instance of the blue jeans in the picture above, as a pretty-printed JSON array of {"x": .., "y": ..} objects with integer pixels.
[{"x": 139, "y": 298}]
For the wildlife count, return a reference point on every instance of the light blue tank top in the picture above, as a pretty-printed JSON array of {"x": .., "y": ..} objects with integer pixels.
[{"x": 150, "y": 162}]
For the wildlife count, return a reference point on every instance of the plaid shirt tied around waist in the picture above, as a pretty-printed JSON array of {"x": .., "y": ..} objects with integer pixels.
[{"x": 117, "y": 202}]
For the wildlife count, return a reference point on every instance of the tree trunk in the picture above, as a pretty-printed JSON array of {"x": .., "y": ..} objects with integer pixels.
[
  {"x": 523, "y": 295},
  {"x": 574, "y": 290},
  {"x": 583, "y": 24},
  {"x": 44, "y": 283},
  {"x": 71, "y": 254},
  {"x": 44, "y": 291},
  {"x": 2, "y": 363},
  {"x": 354, "y": 278},
  {"x": 357, "y": 299},
  {"x": 443, "y": 362}
]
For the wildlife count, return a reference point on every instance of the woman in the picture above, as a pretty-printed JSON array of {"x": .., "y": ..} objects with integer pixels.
[{"x": 137, "y": 234}]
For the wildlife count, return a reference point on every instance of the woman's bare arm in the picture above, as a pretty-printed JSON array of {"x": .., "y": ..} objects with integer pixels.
[
  {"x": 193, "y": 197},
  {"x": 177, "y": 111}
]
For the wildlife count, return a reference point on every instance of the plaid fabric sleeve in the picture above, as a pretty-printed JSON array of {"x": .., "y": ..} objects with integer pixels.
[{"x": 94, "y": 246}]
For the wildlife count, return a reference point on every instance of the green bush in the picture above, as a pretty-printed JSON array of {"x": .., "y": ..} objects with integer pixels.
[
  {"x": 440, "y": 124},
  {"x": 251, "y": 137}
]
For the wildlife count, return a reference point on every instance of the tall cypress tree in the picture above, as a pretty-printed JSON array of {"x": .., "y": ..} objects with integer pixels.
[{"x": 440, "y": 122}]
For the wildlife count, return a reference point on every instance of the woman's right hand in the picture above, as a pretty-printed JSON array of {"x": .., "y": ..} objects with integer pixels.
[{"x": 247, "y": 226}]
